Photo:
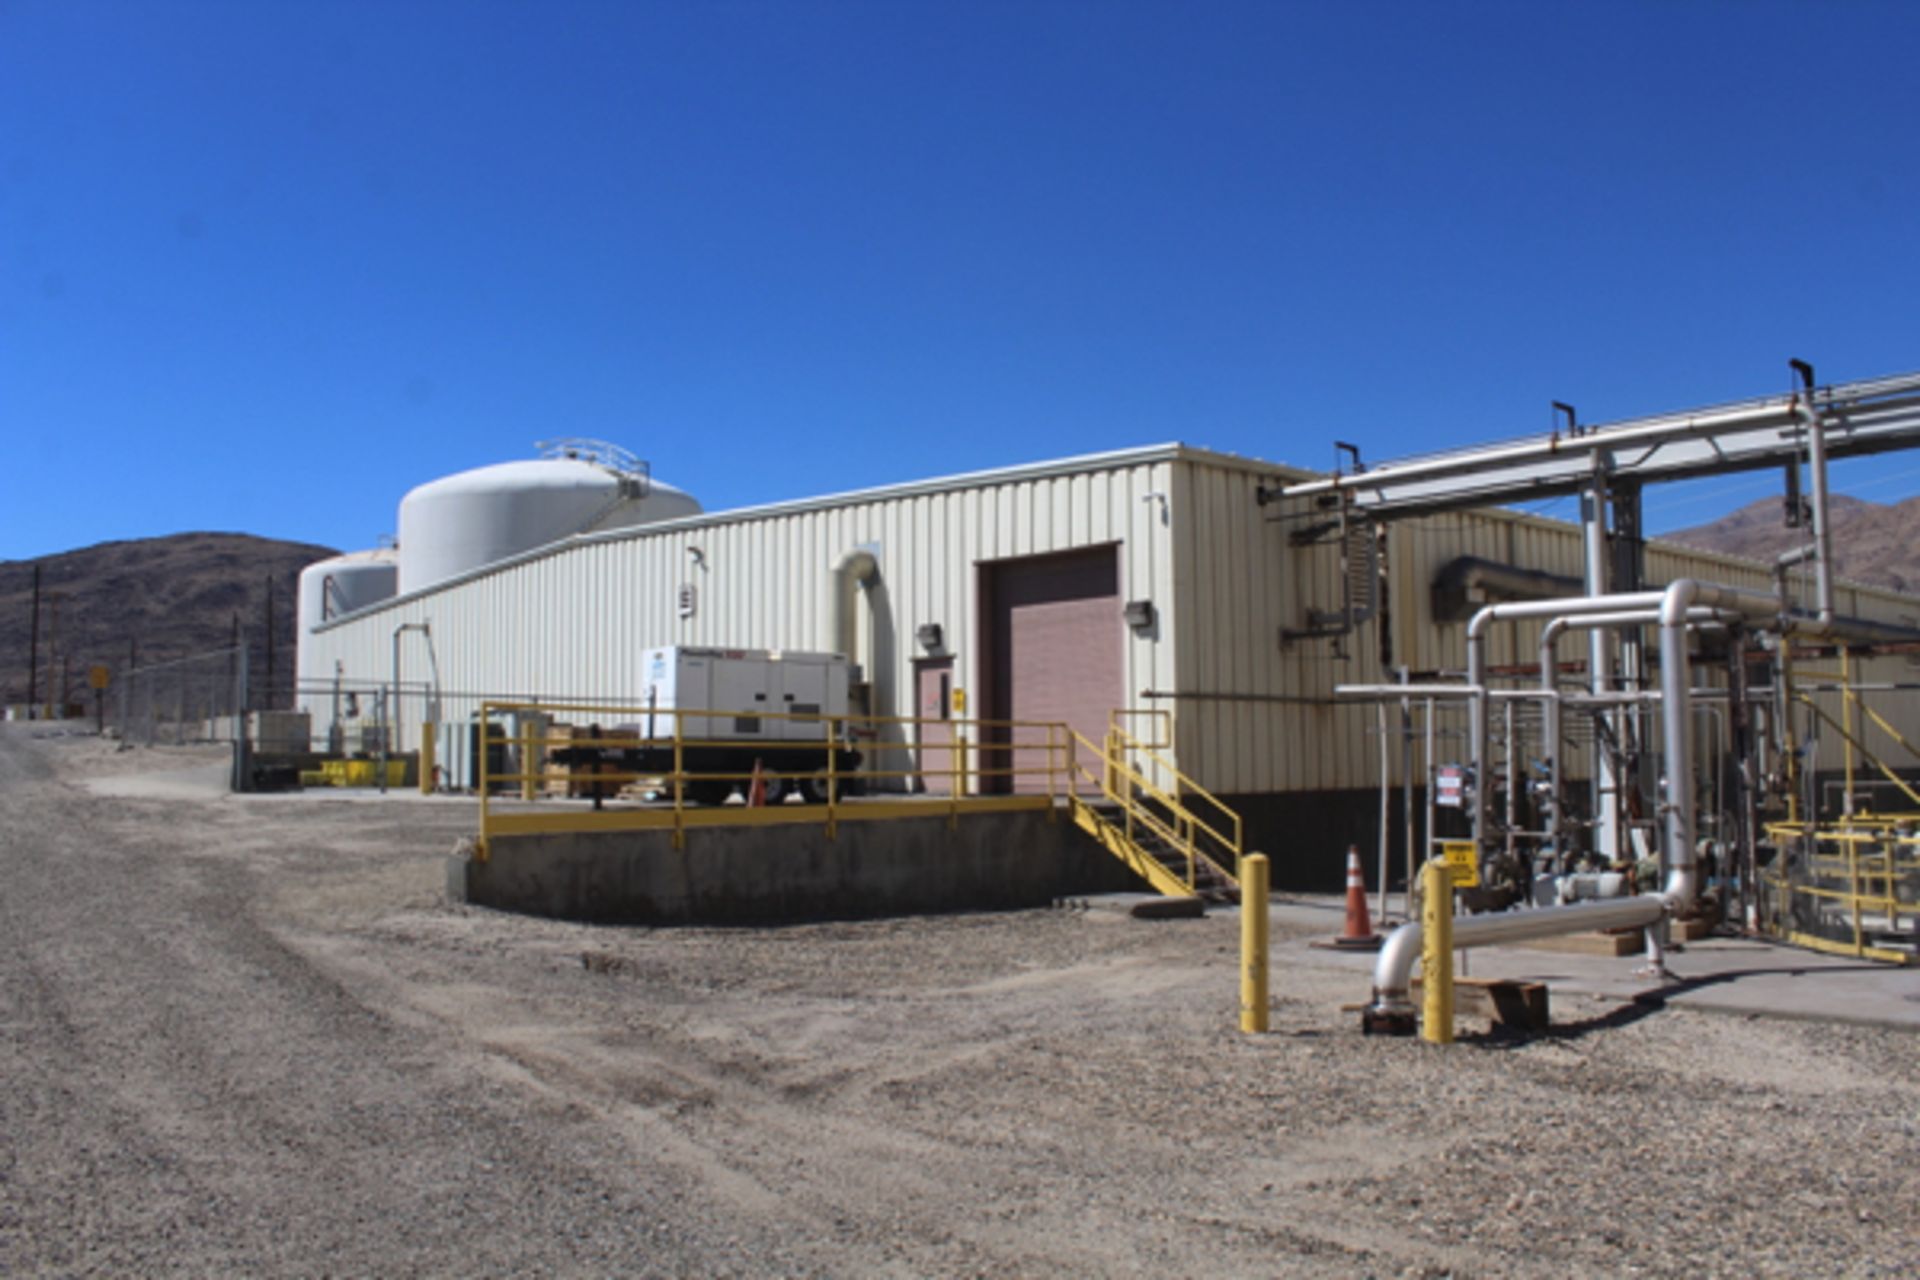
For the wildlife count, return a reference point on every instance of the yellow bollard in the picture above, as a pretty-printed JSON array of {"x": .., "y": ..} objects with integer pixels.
[
  {"x": 1436, "y": 953},
  {"x": 526, "y": 758},
  {"x": 1254, "y": 880},
  {"x": 426, "y": 757}
]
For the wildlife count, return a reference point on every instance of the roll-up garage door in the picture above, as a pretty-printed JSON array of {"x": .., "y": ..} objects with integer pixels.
[{"x": 1054, "y": 649}]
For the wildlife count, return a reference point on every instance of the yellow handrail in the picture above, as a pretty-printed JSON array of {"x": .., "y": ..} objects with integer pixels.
[
  {"x": 1854, "y": 744},
  {"x": 1039, "y": 763},
  {"x": 1030, "y": 749},
  {"x": 1187, "y": 786},
  {"x": 1121, "y": 782}
]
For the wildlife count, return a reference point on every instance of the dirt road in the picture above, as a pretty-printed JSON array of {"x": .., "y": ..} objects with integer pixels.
[{"x": 248, "y": 1034}]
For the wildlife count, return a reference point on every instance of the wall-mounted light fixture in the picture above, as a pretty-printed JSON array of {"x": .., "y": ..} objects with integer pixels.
[
  {"x": 1140, "y": 615},
  {"x": 929, "y": 635}
]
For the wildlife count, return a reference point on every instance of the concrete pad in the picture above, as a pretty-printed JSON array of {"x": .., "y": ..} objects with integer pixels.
[{"x": 1748, "y": 977}]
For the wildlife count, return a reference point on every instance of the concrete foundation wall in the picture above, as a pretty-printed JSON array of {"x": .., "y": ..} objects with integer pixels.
[
  {"x": 1305, "y": 835},
  {"x": 755, "y": 875}
]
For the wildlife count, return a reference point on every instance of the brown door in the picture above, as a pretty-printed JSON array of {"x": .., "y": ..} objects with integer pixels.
[
  {"x": 933, "y": 709},
  {"x": 1055, "y": 652}
]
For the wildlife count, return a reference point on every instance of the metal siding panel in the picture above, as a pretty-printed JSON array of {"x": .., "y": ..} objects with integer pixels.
[{"x": 1222, "y": 577}]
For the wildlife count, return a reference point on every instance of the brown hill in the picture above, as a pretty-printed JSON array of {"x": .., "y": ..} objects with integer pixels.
[
  {"x": 159, "y": 598},
  {"x": 1872, "y": 543}
]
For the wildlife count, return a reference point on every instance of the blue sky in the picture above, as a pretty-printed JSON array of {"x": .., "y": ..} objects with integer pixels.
[{"x": 265, "y": 266}]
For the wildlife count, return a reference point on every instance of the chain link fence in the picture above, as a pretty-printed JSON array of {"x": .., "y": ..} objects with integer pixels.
[{"x": 202, "y": 698}]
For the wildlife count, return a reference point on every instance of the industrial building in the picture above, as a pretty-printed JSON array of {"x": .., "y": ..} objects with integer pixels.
[{"x": 1167, "y": 579}]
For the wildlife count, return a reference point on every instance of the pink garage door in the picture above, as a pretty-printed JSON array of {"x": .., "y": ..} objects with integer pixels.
[{"x": 1053, "y": 644}]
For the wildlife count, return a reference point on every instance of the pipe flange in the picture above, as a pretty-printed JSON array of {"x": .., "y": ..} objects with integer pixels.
[{"x": 1384, "y": 1020}]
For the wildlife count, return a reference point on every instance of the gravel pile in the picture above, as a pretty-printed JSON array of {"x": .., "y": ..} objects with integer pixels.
[{"x": 249, "y": 1034}]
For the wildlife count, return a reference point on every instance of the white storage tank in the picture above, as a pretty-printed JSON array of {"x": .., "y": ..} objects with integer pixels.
[
  {"x": 337, "y": 586},
  {"x": 464, "y": 522},
  {"x": 342, "y": 584}
]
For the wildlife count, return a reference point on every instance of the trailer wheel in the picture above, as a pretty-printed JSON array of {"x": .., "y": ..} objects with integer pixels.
[{"x": 708, "y": 791}]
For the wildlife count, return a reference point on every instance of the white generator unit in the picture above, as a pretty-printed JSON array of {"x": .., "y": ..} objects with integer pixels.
[
  {"x": 756, "y": 690},
  {"x": 770, "y": 707}
]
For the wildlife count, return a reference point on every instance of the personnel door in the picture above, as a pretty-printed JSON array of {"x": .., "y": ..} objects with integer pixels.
[{"x": 933, "y": 709}]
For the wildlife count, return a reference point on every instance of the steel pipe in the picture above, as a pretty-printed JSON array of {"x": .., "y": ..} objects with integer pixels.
[
  {"x": 1822, "y": 524},
  {"x": 1843, "y": 399},
  {"x": 1393, "y": 970},
  {"x": 1596, "y": 440},
  {"x": 1477, "y": 728},
  {"x": 1549, "y": 688}
]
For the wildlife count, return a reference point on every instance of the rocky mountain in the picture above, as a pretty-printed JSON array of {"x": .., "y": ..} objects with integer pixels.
[
  {"x": 1872, "y": 542},
  {"x": 150, "y": 600}
]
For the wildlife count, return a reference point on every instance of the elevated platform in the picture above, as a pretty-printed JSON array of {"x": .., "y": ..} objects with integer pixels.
[{"x": 767, "y": 872}]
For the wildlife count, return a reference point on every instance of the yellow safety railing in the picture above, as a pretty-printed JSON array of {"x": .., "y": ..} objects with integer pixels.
[
  {"x": 1159, "y": 717},
  {"x": 660, "y": 769},
  {"x": 989, "y": 765},
  {"x": 1193, "y": 853},
  {"x": 1854, "y": 743},
  {"x": 1837, "y": 888},
  {"x": 1845, "y": 886}
]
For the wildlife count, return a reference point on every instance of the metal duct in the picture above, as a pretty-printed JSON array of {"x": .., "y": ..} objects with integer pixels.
[
  {"x": 1464, "y": 584},
  {"x": 857, "y": 570}
]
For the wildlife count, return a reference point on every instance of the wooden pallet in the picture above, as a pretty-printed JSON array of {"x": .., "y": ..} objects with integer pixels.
[{"x": 1523, "y": 1006}]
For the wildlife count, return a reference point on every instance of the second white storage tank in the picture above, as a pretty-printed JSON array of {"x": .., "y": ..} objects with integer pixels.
[{"x": 466, "y": 521}]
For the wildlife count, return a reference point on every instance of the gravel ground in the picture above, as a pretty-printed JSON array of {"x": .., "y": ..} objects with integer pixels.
[{"x": 248, "y": 1034}]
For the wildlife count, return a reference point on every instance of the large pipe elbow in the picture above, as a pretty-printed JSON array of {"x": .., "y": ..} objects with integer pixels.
[
  {"x": 1678, "y": 598},
  {"x": 858, "y": 569}
]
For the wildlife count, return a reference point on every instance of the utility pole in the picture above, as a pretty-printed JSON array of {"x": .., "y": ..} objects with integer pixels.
[
  {"x": 33, "y": 648},
  {"x": 53, "y": 646},
  {"x": 269, "y": 688},
  {"x": 233, "y": 658}
]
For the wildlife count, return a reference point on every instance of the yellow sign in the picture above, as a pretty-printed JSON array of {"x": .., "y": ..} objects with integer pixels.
[
  {"x": 1463, "y": 860},
  {"x": 97, "y": 677},
  {"x": 960, "y": 700}
]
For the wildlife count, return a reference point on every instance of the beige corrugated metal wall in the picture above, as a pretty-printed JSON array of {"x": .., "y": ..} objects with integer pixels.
[
  {"x": 1256, "y": 714},
  {"x": 570, "y": 622},
  {"x": 1253, "y": 714}
]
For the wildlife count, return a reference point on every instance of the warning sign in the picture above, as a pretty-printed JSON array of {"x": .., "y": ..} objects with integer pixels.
[
  {"x": 1463, "y": 859},
  {"x": 97, "y": 677},
  {"x": 1450, "y": 786}
]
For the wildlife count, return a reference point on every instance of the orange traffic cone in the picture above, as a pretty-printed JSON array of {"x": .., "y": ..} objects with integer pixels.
[
  {"x": 1359, "y": 932},
  {"x": 757, "y": 794}
]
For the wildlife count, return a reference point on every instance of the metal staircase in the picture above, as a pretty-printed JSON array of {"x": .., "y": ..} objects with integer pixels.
[{"x": 1142, "y": 810}]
